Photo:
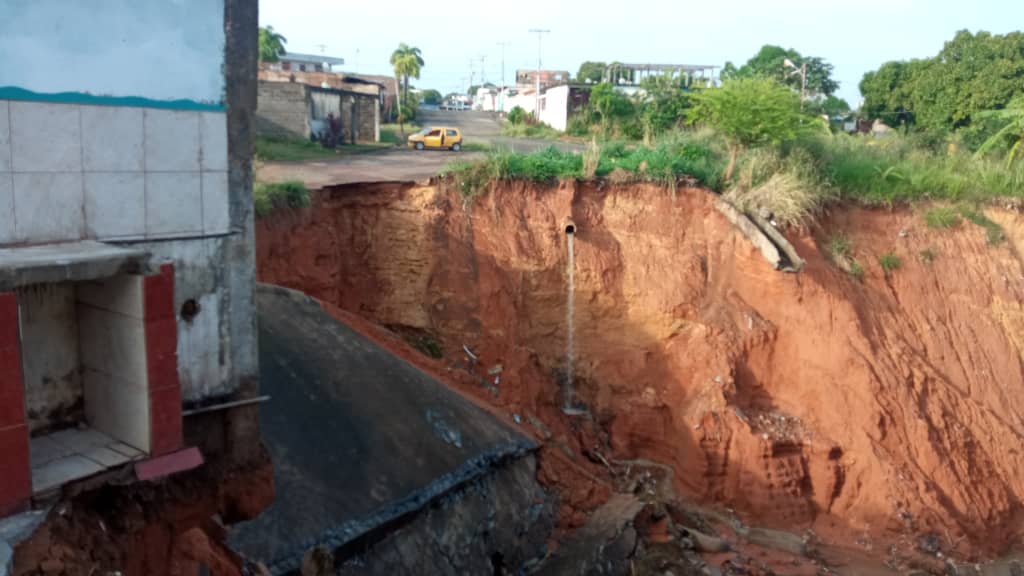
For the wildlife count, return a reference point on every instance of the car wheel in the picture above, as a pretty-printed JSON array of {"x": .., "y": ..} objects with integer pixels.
[
  {"x": 419, "y": 145},
  {"x": 457, "y": 146}
]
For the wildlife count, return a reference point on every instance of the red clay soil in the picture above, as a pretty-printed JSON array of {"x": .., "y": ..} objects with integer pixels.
[
  {"x": 148, "y": 529},
  {"x": 871, "y": 410}
]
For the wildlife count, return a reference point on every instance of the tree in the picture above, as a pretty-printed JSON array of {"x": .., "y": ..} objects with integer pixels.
[
  {"x": 591, "y": 72},
  {"x": 952, "y": 91},
  {"x": 430, "y": 96},
  {"x": 830, "y": 106},
  {"x": 271, "y": 44},
  {"x": 770, "y": 62},
  {"x": 749, "y": 112},
  {"x": 407, "y": 61},
  {"x": 610, "y": 105},
  {"x": 665, "y": 102}
]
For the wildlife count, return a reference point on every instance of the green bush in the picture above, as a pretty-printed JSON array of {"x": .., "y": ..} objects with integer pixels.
[
  {"x": 268, "y": 197},
  {"x": 889, "y": 262},
  {"x": 517, "y": 115}
]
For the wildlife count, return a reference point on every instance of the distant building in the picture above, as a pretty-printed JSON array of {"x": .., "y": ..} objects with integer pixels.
[
  {"x": 528, "y": 78},
  {"x": 294, "y": 62},
  {"x": 297, "y": 104}
]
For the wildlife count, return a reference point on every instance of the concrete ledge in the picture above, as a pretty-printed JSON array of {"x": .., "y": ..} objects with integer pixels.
[{"x": 68, "y": 262}]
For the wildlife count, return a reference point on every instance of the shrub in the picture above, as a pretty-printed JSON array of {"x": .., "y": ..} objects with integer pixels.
[
  {"x": 889, "y": 262},
  {"x": 789, "y": 189},
  {"x": 268, "y": 197},
  {"x": 517, "y": 115}
]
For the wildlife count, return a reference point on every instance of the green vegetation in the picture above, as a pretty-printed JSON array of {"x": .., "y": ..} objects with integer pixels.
[
  {"x": 392, "y": 133},
  {"x": 517, "y": 116},
  {"x": 941, "y": 218},
  {"x": 271, "y": 44},
  {"x": 770, "y": 62},
  {"x": 270, "y": 197},
  {"x": 525, "y": 130},
  {"x": 856, "y": 271},
  {"x": 949, "y": 96},
  {"x": 430, "y": 96},
  {"x": 749, "y": 112},
  {"x": 889, "y": 262},
  {"x": 276, "y": 149},
  {"x": 839, "y": 247},
  {"x": 993, "y": 232}
]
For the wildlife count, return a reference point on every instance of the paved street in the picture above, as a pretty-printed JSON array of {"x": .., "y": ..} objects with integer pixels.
[{"x": 403, "y": 163}]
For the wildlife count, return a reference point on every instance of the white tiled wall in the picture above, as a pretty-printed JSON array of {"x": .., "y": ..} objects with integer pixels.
[
  {"x": 70, "y": 172},
  {"x": 112, "y": 341}
]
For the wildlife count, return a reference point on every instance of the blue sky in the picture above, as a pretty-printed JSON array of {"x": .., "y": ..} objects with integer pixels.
[{"x": 854, "y": 36}]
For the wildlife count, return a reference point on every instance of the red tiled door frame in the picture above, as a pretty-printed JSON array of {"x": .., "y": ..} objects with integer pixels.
[{"x": 15, "y": 465}]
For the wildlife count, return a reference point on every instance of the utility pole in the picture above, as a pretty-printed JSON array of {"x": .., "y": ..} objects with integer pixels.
[
  {"x": 501, "y": 84},
  {"x": 802, "y": 71},
  {"x": 536, "y": 103}
]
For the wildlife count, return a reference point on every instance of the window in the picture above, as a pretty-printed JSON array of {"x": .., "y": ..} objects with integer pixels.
[
  {"x": 319, "y": 67},
  {"x": 286, "y": 66},
  {"x": 434, "y": 133},
  {"x": 451, "y": 133},
  {"x": 302, "y": 67}
]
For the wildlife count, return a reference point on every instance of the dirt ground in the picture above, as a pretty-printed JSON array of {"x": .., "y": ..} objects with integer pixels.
[
  {"x": 403, "y": 163},
  {"x": 877, "y": 412}
]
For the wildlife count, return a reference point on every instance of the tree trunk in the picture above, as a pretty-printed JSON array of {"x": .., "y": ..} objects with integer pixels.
[{"x": 734, "y": 153}]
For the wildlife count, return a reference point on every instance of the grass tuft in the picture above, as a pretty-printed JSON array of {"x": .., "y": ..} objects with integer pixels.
[
  {"x": 890, "y": 262},
  {"x": 941, "y": 218}
]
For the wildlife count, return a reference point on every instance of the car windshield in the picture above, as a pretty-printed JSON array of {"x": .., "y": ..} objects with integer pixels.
[{"x": 424, "y": 132}]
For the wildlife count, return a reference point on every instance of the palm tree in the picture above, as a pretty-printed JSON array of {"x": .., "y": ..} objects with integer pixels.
[
  {"x": 1014, "y": 114},
  {"x": 271, "y": 44},
  {"x": 407, "y": 61}
]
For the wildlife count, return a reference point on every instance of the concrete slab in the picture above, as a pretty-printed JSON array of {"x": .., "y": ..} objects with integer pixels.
[
  {"x": 105, "y": 456},
  {"x": 68, "y": 262},
  {"x": 58, "y": 472},
  {"x": 358, "y": 437},
  {"x": 44, "y": 449}
]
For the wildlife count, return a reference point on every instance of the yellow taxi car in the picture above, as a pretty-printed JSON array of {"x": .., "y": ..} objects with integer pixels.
[{"x": 440, "y": 137}]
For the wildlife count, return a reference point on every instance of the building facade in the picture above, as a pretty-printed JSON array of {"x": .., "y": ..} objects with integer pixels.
[{"x": 126, "y": 247}]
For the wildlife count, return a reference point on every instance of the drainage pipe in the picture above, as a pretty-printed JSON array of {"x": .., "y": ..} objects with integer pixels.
[{"x": 568, "y": 226}]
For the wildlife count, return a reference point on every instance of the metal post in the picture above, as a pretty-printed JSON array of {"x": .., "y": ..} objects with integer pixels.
[
  {"x": 501, "y": 84},
  {"x": 536, "y": 97},
  {"x": 803, "y": 85}
]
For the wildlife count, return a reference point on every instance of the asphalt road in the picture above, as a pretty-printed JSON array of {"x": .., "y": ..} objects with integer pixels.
[{"x": 404, "y": 163}]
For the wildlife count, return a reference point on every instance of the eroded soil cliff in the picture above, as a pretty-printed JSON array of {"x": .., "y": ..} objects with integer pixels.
[{"x": 878, "y": 410}]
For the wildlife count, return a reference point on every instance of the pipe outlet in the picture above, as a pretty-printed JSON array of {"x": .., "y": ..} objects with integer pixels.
[{"x": 568, "y": 225}]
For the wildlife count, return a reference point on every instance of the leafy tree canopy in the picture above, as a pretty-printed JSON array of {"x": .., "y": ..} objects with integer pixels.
[
  {"x": 430, "y": 96},
  {"x": 591, "y": 71},
  {"x": 770, "y": 61},
  {"x": 271, "y": 44},
  {"x": 973, "y": 73},
  {"x": 749, "y": 112}
]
